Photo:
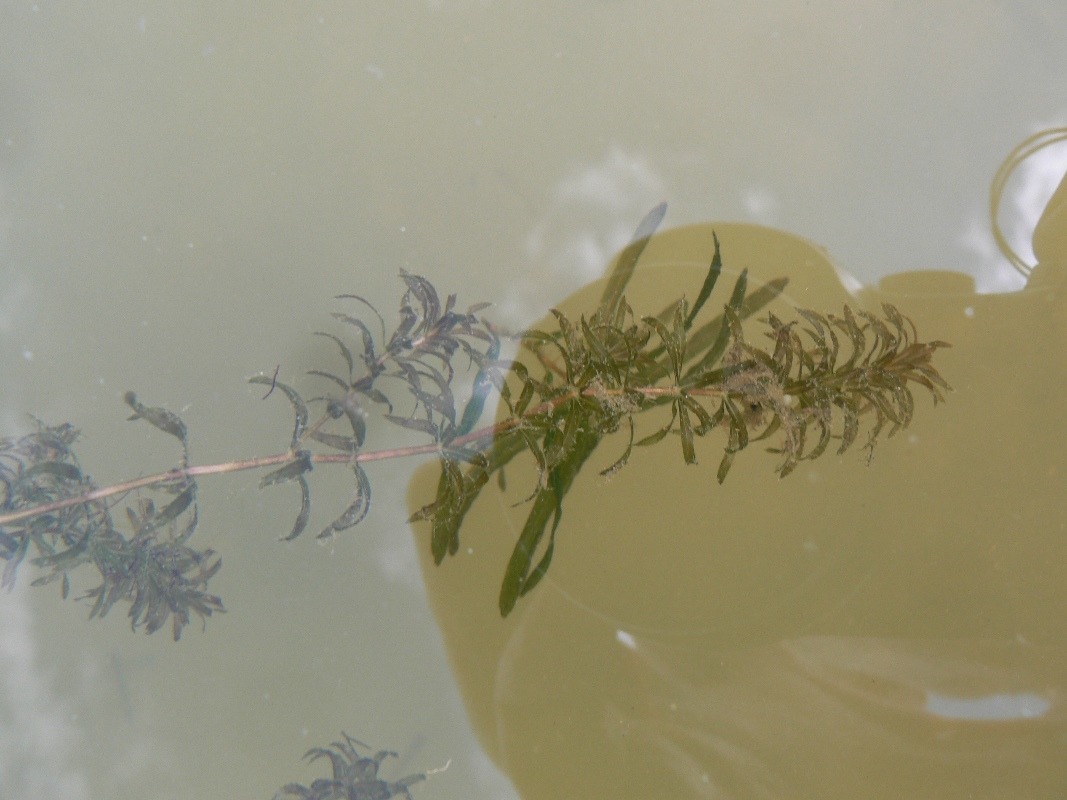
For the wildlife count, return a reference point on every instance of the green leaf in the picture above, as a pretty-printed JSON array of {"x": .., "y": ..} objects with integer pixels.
[
  {"x": 709, "y": 283},
  {"x": 549, "y": 501},
  {"x": 653, "y": 438},
  {"x": 762, "y": 297},
  {"x": 625, "y": 457},
  {"x": 624, "y": 267},
  {"x": 483, "y": 383},
  {"x": 541, "y": 569},
  {"x": 685, "y": 427},
  {"x": 725, "y": 464},
  {"x": 289, "y": 471},
  {"x": 305, "y": 510},
  {"x": 345, "y": 352},
  {"x": 544, "y": 505},
  {"x": 358, "y": 509},
  {"x": 722, "y": 338},
  {"x": 174, "y": 508},
  {"x": 738, "y": 428},
  {"x": 57, "y": 469},
  {"x": 300, "y": 410},
  {"x": 166, "y": 421},
  {"x": 421, "y": 425},
  {"x": 368, "y": 340},
  {"x": 446, "y": 511}
]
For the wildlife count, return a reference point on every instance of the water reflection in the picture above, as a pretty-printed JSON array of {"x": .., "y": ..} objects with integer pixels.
[
  {"x": 890, "y": 630},
  {"x": 851, "y": 717}
]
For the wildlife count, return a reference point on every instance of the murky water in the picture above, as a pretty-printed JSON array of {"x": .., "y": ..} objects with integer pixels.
[
  {"x": 850, "y": 630},
  {"x": 183, "y": 190}
]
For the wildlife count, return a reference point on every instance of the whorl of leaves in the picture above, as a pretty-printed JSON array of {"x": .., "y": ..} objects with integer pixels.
[
  {"x": 823, "y": 378},
  {"x": 592, "y": 376},
  {"x": 354, "y": 777},
  {"x": 416, "y": 359},
  {"x": 152, "y": 570}
]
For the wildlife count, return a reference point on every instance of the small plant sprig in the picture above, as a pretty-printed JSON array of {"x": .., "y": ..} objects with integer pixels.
[
  {"x": 820, "y": 379},
  {"x": 353, "y": 775}
]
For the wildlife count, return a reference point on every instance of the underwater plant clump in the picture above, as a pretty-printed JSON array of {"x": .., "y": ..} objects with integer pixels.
[
  {"x": 820, "y": 379},
  {"x": 354, "y": 777}
]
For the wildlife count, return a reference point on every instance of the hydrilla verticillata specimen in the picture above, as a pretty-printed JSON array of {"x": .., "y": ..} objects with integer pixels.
[{"x": 820, "y": 379}]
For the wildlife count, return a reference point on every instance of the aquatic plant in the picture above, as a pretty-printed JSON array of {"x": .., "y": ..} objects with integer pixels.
[
  {"x": 819, "y": 379},
  {"x": 354, "y": 777}
]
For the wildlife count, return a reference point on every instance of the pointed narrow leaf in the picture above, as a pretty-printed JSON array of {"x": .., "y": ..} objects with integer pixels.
[
  {"x": 166, "y": 421},
  {"x": 300, "y": 410},
  {"x": 625, "y": 457},
  {"x": 57, "y": 469},
  {"x": 367, "y": 304},
  {"x": 305, "y": 510},
  {"x": 685, "y": 428},
  {"x": 551, "y": 499},
  {"x": 653, "y": 438},
  {"x": 541, "y": 569},
  {"x": 421, "y": 425},
  {"x": 522, "y": 555},
  {"x": 174, "y": 508},
  {"x": 724, "y": 465},
  {"x": 345, "y": 352},
  {"x": 341, "y": 382},
  {"x": 346, "y": 444},
  {"x": 369, "y": 357},
  {"x": 762, "y": 297},
  {"x": 355, "y": 512},
  {"x": 709, "y": 283},
  {"x": 354, "y": 412},
  {"x": 624, "y": 268},
  {"x": 483, "y": 383},
  {"x": 291, "y": 470}
]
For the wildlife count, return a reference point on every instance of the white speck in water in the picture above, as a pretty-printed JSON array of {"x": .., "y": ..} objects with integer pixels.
[
  {"x": 190, "y": 245},
  {"x": 403, "y": 228},
  {"x": 470, "y": 551},
  {"x": 27, "y": 355},
  {"x": 626, "y": 639},
  {"x": 968, "y": 311},
  {"x": 913, "y": 439},
  {"x": 760, "y": 203},
  {"x": 993, "y": 707},
  {"x": 375, "y": 70}
]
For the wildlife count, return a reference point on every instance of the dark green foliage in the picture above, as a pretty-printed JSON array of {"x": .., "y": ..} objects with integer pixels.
[
  {"x": 151, "y": 569},
  {"x": 417, "y": 359},
  {"x": 820, "y": 379},
  {"x": 354, "y": 777},
  {"x": 594, "y": 375}
]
